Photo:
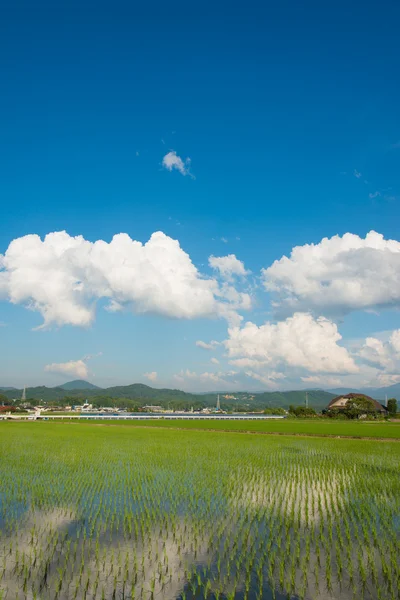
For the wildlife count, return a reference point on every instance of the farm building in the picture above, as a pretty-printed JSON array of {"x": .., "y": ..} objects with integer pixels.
[{"x": 340, "y": 402}]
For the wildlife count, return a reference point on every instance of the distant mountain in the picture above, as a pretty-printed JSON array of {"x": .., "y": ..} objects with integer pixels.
[
  {"x": 391, "y": 391},
  {"x": 143, "y": 394},
  {"x": 140, "y": 394},
  {"x": 340, "y": 391},
  {"x": 78, "y": 384},
  {"x": 317, "y": 399},
  {"x": 142, "y": 391}
]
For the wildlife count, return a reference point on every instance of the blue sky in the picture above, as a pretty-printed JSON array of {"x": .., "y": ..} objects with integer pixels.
[{"x": 289, "y": 116}]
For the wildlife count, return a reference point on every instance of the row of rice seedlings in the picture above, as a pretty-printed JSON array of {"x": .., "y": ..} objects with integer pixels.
[{"x": 197, "y": 516}]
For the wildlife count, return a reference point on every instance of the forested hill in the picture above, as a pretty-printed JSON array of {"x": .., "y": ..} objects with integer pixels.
[
  {"x": 139, "y": 394},
  {"x": 79, "y": 384},
  {"x": 317, "y": 399}
]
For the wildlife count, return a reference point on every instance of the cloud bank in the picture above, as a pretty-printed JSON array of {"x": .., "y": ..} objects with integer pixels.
[
  {"x": 62, "y": 277},
  {"x": 300, "y": 342},
  {"x": 336, "y": 276}
]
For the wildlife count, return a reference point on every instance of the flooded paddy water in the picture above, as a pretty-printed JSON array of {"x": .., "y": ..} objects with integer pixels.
[{"x": 92, "y": 512}]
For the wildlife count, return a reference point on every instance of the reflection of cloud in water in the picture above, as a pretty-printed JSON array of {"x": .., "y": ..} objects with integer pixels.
[
  {"x": 304, "y": 496},
  {"x": 159, "y": 567},
  {"x": 117, "y": 568},
  {"x": 305, "y": 501},
  {"x": 51, "y": 556},
  {"x": 30, "y": 544}
]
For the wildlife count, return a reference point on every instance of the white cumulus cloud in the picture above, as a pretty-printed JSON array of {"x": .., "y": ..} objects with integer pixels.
[
  {"x": 62, "y": 277},
  {"x": 336, "y": 276},
  {"x": 385, "y": 379},
  {"x": 382, "y": 355},
  {"x": 298, "y": 342},
  {"x": 73, "y": 368},
  {"x": 172, "y": 161},
  {"x": 227, "y": 266}
]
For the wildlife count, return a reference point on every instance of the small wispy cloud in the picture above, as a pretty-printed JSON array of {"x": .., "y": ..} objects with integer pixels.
[
  {"x": 152, "y": 376},
  {"x": 74, "y": 368},
  {"x": 176, "y": 222},
  {"x": 204, "y": 378},
  {"x": 90, "y": 356},
  {"x": 172, "y": 161},
  {"x": 205, "y": 346},
  {"x": 376, "y": 193}
]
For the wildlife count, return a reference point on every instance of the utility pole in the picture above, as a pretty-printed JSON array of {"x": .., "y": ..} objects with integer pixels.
[{"x": 306, "y": 399}]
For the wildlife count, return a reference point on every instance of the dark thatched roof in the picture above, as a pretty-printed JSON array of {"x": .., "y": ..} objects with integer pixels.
[{"x": 378, "y": 406}]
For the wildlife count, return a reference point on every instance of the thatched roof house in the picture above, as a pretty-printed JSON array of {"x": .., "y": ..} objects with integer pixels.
[{"x": 340, "y": 402}]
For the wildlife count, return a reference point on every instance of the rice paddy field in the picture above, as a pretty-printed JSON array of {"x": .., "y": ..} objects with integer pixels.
[
  {"x": 318, "y": 427},
  {"x": 107, "y": 512}
]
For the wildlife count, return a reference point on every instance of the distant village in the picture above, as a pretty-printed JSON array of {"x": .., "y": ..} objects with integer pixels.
[
  {"x": 88, "y": 408},
  {"x": 350, "y": 405}
]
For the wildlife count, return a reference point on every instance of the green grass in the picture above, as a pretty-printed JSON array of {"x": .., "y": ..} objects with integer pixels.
[
  {"x": 324, "y": 427},
  {"x": 91, "y": 512}
]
